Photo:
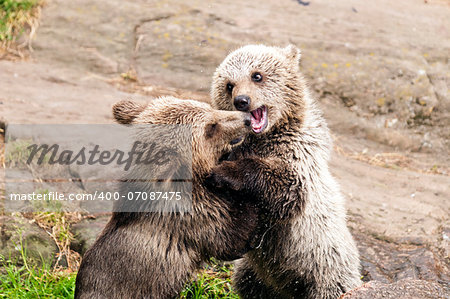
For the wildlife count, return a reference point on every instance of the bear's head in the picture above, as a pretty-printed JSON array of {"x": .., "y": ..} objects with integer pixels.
[
  {"x": 262, "y": 80},
  {"x": 214, "y": 132}
]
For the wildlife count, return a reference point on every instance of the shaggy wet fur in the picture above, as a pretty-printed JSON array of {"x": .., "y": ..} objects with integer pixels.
[
  {"x": 153, "y": 255},
  {"x": 306, "y": 249}
]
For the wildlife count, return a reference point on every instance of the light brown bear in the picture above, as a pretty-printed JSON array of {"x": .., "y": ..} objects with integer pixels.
[
  {"x": 306, "y": 249},
  {"x": 153, "y": 255}
]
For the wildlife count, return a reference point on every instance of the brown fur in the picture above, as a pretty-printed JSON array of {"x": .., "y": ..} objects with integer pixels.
[
  {"x": 306, "y": 250},
  {"x": 153, "y": 255}
]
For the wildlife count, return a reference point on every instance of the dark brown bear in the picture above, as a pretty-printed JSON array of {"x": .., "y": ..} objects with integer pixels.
[{"x": 153, "y": 255}]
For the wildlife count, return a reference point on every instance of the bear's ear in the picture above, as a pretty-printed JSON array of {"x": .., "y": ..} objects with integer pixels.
[
  {"x": 293, "y": 53},
  {"x": 126, "y": 111}
]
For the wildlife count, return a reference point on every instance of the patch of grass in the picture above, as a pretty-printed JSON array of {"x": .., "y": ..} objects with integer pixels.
[
  {"x": 212, "y": 282},
  {"x": 51, "y": 206},
  {"x": 17, "y": 152},
  {"x": 24, "y": 282},
  {"x": 57, "y": 225},
  {"x": 20, "y": 280},
  {"x": 16, "y": 17}
]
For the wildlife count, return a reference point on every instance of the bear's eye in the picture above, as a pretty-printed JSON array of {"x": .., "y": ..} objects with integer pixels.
[
  {"x": 230, "y": 87},
  {"x": 257, "y": 77}
]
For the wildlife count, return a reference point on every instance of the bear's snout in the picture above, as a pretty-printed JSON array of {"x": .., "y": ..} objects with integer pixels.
[{"x": 242, "y": 102}]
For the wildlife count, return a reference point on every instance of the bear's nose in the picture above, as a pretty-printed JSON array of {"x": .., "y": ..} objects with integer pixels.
[{"x": 242, "y": 103}]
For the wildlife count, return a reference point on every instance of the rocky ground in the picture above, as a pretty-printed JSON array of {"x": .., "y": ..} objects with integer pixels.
[{"x": 379, "y": 69}]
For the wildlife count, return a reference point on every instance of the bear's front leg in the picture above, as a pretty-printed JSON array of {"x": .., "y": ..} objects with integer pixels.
[
  {"x": 225, "y": 176},
  {"x": 275, "y": 185},
  {"x": 238, "y": 175}
]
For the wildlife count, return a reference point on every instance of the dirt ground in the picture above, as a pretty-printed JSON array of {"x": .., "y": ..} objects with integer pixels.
[{"x": 379, "y": 69}]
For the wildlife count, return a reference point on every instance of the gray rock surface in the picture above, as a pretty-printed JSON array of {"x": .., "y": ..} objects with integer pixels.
[
  {"x": 86, "y": 232},
  {"x": 386, "y": 260},
  {"x": 403, "y": 289},
  {"x": 19, "y": 234},
  {"x": 397, "y": 61}
]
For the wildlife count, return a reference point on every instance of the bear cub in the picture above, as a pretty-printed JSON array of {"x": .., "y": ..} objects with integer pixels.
[
  {"x": 153, "y": 255},
  {"x": 306, "y": 249}
]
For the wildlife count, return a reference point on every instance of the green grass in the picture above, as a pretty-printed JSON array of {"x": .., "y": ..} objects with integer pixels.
[
  {"x": 212, "y": 282},
  {"x": 24, "y": 281},
  {"x": 16, "y": 16},
  {"x": 17, "y": 152},
  {"x": 19, "y": 279}
]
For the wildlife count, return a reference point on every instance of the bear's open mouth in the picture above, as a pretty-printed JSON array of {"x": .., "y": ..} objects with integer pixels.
[{"x": 259, "y": 119}]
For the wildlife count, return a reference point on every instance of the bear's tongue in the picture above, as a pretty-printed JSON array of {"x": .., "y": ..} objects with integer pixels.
[{"x": 259, "y": 119}]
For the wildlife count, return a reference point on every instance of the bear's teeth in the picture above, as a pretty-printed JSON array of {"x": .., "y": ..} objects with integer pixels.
[
  {"x": 255, "y": 114},
  {"x": 259, "y": 119}
]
